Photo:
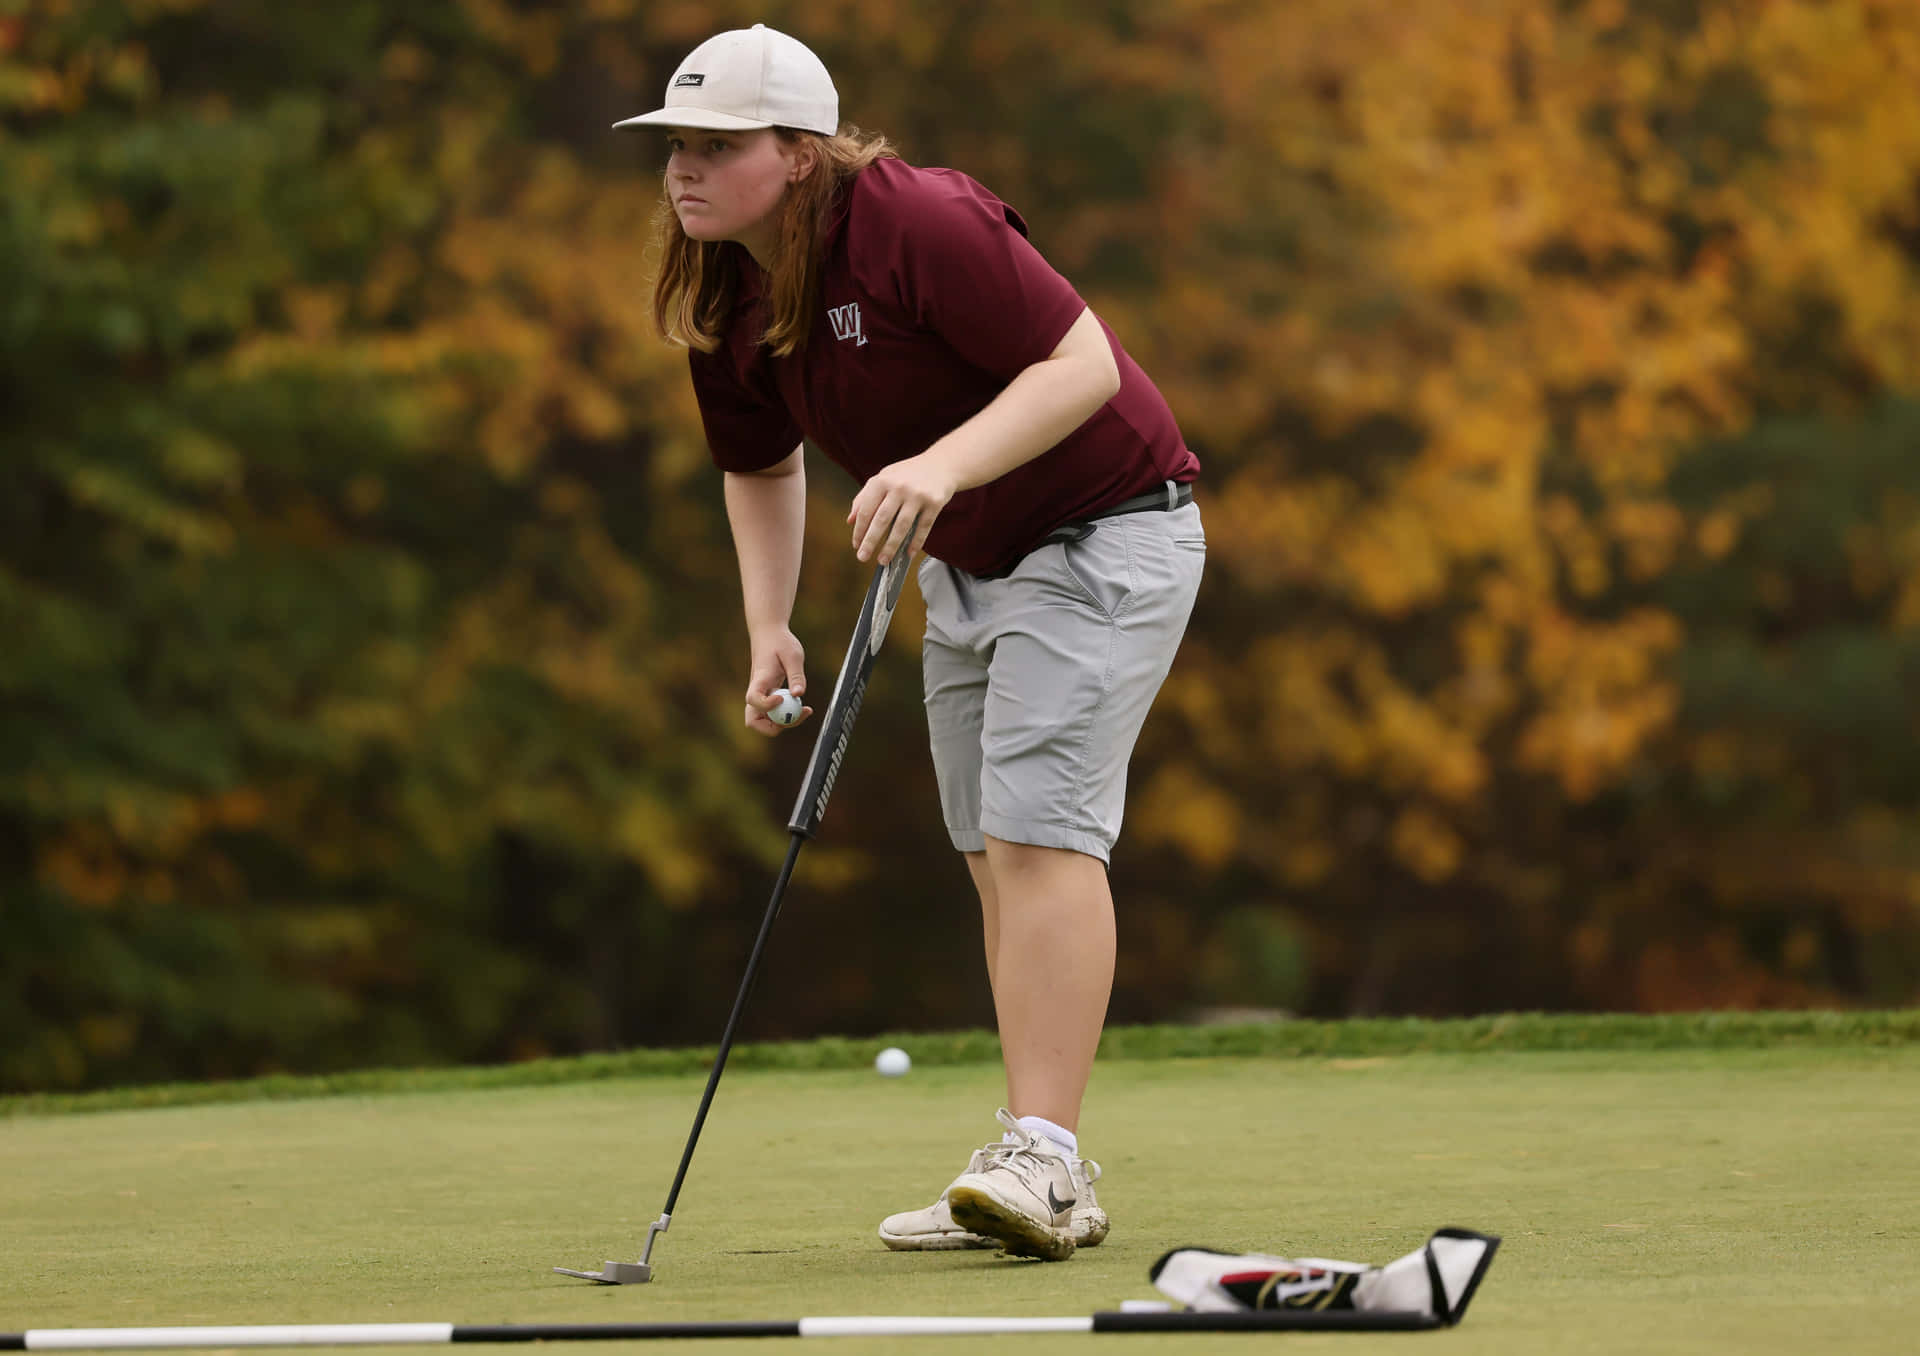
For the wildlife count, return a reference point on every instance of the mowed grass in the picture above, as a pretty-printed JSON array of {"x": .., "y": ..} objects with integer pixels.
[{"x": 1735, "y": 1200}]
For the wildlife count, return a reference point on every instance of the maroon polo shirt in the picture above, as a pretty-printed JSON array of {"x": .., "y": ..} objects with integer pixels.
[{"x": 932, "y": 300}]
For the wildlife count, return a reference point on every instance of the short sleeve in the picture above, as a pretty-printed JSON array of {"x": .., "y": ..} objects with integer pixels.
[
  {"x": 748, "y": 429},
  {"x": 959, "y": 263}
]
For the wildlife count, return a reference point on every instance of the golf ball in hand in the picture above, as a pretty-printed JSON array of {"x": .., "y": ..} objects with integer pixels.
[
  {"x": 891, "y": 1062},
  {"x": 789, "y": 709}
]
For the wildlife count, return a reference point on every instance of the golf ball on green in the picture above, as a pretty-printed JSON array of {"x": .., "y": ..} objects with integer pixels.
[
  {"x": 789, "y": 709},
  {"x": 891, "y": 1062}
]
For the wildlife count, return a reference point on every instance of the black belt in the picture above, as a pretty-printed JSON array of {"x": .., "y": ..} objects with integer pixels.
[
  {"x": 1163, "y": 500},
  {"x": 1168, "y": 497}
]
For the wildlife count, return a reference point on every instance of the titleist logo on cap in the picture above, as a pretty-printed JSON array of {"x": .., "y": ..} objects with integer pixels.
[{"x": 690, "y": 79}]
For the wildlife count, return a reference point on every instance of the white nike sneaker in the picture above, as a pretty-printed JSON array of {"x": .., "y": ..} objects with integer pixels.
[
  {"x": 1023, "y": 1198},
  {"x": 933, "y": 1230}
]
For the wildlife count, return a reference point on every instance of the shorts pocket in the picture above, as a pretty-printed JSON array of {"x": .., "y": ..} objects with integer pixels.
[{"x": 1101, "y": 567}]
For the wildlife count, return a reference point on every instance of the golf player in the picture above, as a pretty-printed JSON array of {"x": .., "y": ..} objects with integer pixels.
[{"x": 899, "y": 318}]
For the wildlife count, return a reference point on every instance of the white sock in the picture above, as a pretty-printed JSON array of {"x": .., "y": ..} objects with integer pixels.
[{"x": 1059, "y": 1134}]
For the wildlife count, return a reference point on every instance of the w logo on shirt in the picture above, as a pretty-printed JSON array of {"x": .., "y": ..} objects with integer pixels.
[{"x": 847, "y": 323}]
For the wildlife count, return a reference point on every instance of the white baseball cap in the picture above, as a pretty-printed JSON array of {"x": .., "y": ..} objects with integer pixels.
[{"x": 747, "y": 78}]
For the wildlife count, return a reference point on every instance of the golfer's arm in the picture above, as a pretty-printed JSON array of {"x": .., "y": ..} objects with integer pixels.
[
  {"x": 767, "y": 511},
  {"x": 1037, "y": 409}
]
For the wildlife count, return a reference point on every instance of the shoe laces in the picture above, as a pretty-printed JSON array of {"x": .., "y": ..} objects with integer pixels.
[
  {"x": 989, "y": 1155},
  {"x": 1001, "y": 1149},
  {"x": 1002, "y": 1154},
  {"x": 1027, "y": 1153}
]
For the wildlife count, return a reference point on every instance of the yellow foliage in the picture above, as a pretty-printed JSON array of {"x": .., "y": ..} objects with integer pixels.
[
  {"x": 649, "y": 834},
  {"x": 1184, "y": 809},
  {"x": 1650, "y": 532},
  {"x": 1515, "y": 292},
  {"x": 1441, "y": 293},
  {"x": 1602, "y": 696},
  {"x": 314, "y": 313},
  {"x": 1426, "y": 845},
  {"x": 1388, "y": 556}
]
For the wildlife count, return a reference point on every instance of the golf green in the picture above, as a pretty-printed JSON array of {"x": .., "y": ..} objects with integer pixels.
[{"x": 1712, "y": 1200}]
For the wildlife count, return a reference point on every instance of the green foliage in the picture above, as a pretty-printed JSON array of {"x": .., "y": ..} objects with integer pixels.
[
  {"x": 1256, "y": 958},
  {"x": 283, "y": 667},
  {"x": 369, "y": 639}
]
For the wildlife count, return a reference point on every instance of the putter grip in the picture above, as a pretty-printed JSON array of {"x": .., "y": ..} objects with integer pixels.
[{"x": 869, "y": 630}]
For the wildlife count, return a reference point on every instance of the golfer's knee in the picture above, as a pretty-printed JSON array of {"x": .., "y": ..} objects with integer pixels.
[{"x": 1007, "y": 858}]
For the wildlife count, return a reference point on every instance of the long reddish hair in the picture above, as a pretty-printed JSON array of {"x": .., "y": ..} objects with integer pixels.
[{"x": 698, "y": 281}]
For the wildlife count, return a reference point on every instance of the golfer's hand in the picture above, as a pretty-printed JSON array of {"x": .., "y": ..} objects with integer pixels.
[
  {"x": 778, "y": 661},
  {"x": 887, "y": 505}
]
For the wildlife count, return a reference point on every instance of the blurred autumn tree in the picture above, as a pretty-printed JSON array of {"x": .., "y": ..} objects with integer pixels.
[
  {"x": 1464, "y": 290},
  {"x": 369, "y": 644},
  {"x": 361, "y": 694}
]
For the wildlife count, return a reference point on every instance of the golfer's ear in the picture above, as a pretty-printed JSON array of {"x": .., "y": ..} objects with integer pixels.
[{"x": 806, "y": 158}]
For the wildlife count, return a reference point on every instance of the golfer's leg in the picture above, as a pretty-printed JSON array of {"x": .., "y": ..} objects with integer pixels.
[
  {"x": 982, "y": 873},
  {"x": 1084, "y": 636},
  {"x": 1051, "y": 943}
]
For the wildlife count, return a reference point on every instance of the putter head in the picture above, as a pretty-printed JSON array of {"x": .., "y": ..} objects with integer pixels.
[
  {"x": 625, "y": 1273},
  {"x": 613, "y": 1273}
]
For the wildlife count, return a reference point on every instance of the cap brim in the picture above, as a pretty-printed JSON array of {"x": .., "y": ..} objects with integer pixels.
[{"x": 684, "y": 116}]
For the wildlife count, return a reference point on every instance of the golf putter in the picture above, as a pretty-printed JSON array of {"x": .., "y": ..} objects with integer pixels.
[
  {"x": 627, "y": 1273},
  {"x": 863, "y": 648}
]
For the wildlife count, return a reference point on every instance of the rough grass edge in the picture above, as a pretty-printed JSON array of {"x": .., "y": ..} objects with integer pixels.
[{"x": 1282, "y": 1039}]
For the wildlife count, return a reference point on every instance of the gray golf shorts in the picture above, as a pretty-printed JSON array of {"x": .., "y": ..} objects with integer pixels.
[{"x": 1037, "y": 684}]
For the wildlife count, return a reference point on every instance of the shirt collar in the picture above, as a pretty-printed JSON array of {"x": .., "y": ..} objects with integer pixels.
[{"x": 753, "y": 282}]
